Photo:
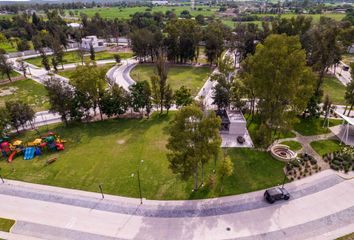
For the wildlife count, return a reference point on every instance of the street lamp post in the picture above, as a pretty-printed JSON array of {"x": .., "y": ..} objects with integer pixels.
[
  {"x": 139, "y": 184},
  {"x": 286, "y": 173}
]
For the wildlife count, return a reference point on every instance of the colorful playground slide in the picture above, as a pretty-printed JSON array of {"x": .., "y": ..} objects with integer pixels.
[
  {"x": 11, "y": 156},
  {"x": 29, "y": 153}
]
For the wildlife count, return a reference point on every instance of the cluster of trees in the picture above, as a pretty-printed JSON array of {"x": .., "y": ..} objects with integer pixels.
[
  {"x": 181, "y": 39},
  {"x": 282, "y": 71},
  {"x": 15, "y": 114},
  {"x": 91, "y": 91}
]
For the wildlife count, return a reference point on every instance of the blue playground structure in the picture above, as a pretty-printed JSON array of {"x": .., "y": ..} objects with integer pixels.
[{"x": 29, "y": 153}]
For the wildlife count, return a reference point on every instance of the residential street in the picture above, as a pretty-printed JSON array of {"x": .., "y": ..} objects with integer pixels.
[{"x": 321, "y": 206}]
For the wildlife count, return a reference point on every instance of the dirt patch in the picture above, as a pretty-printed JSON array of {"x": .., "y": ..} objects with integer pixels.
[
  {"x": 7, "y": 91},
  {"x": 121, "y": 142}
]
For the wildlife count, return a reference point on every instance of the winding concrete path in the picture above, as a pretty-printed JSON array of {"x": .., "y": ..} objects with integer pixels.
[
  {"x": 305, "y": 142},
  {"x": 320, "y": 205}
]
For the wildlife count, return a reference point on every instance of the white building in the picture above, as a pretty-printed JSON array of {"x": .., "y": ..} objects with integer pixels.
[{"x": 97, "y": 44}]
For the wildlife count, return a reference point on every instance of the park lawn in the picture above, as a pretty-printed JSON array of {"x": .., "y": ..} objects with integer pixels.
[
  {"x": 325, "y": 146},
  {"x": 313, "y": 126},
  {"x": 108, "y": 153},
  {"x": 72, "y": 57},
  {"x": 191, "y": 77},
  {"x": 127, "y": 12},
  {"x": 70, "y": 72},
  {"x": 293, "y": 145},
  {"x": 347, "y": 237},
  {"x": 334, "y": 89},
  {"x": 27, "y": 91},
  {"x": 6, "y": 224},
  {"x": 7, "y": 47},
  {"x": 253, "y": 124},
  {"x": 315, "y": 17}
]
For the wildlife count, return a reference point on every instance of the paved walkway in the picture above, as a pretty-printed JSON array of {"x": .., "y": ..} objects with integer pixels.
[
  {"x": 56, "y": 213},
  {"x": 305, "y": 142}
]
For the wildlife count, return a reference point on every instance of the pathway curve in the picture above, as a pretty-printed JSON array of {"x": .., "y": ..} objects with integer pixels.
[
  {"x": 305, "y": 142},
  {"x": 56, "y": 213}
]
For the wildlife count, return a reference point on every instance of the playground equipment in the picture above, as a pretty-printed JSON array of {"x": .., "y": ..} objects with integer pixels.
[{"x": 31, "y": 149}]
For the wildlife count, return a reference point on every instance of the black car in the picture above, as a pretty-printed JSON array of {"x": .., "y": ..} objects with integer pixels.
[{"x": 275, "y": 194}]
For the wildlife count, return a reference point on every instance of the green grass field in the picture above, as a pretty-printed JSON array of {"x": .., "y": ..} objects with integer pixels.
[
  {"x": 6, "y": 224},
  {"x": 109, "y": 152},
  {"x": 191, "y": 77},
  {"x": 313, "y": 126},
  {"x": 126, "y": 13},
  {"x": 69, "y": 73},
  {"x": 315, "y": 17},
  {"x": 27, "y": 91},
  {"x": 254, "y": 123},
  {"x": 294, "y": 145},
  {"x": 334, "y": 89},
  {"x": 325, "y": 146},
  {"x": 72, "y": 57},
  {"x": 8, "y": 47}
]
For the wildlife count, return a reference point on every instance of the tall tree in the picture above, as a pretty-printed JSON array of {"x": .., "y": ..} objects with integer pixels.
[
  {"x": 91, "y": 80},
  {"x": 20, "y": 114},
  {"x": 61, "y": 97},
  {"x": 45, "y": 61},
  {"x": 214, "y": 36},
  {"x": 159, "y": 82},
  {"x": 226, "y": 170},
  {"x": 183, "y": 97},
  {"x": 92, "y": 53},
  {"x": 22, "y": 66},
  {"x": 194, "y": 139},
  {"x": 140, "y": 94},
  {"x": 115, "y": 101},
  {"x": 281, "y": 80},
  {"x": 6, "y": 67}
]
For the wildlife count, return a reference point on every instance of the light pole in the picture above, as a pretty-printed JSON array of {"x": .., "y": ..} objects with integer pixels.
[
  {"x": 139, "y": 184},
  {"x": 101, "y": 190},
  {"x": 286, "y": 173}
]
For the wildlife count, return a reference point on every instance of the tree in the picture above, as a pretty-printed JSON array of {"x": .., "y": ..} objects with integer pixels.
[
  {"x": 324, "y": 49},
  {"x": 45, "y": 61},
  {"x": 115, "y": 101},
  {"x": 92, "y": 53},
  {"x": 6, "y": 67},
  {"x": 61, "y": 97},
  {"x": 226, "y": 170},
  {"x": 90, "y": 80},
  {"x": 23, "y": 45},
  {"x": 22, "y": 66},
  {"x": 140, "y": 96},
  {"x": 282, "y": 82},
  {"x": 58, "y": 53},
  {"x": 55, "y": 64},
  {"x": 4, "y": 121},
  {"x": 349, "y": 93},
  {"x": 214, "y": 36},
  {"x": 194, "y": 139},
  {"x": 200, "y": 19},
  {"x": 20, "y": 114},
  {"x": 117, "y": 58},
  {"x": 168, "y": 98},
  {"x": 183, "y": 97},
  {"x": 159, "y": 82},
  {"x": 81, "y": 54}
]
